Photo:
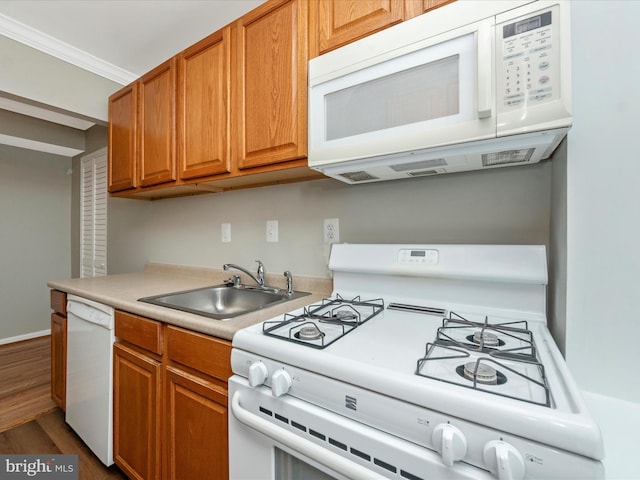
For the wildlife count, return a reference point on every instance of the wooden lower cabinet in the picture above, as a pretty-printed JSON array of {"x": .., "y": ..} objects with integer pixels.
[
  {"x": 58, "y": 359},
  {"x": 196, "y": 419},
  {"x": 170, "y": 401},
  {"x": 136, "y": 412},
  {"x": 58, "y": 301}
]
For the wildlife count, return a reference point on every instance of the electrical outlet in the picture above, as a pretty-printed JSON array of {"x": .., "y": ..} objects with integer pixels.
[
  {"x": 272, "y": 230},
  {"x": 225, "y": 232},
  {"x": 331, "y": 230}
]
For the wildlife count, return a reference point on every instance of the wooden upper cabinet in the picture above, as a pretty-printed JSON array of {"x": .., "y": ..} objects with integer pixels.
[
  {"x": 122, "y": 138},
  {"x": 413, "y": 8},
  {"x": 203, "y": 111},
  {"x": 157, "y": 125},
  {"x": 269, "y": 84},
  {"x": 338, "y": 22}
]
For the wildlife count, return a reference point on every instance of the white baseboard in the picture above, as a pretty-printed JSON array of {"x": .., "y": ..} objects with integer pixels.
[{"x": 26, "y": 336}]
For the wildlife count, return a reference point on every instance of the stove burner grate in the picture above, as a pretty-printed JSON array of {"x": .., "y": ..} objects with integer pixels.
[
  {"x": 480, "y": 377},
  {"x": 341, "y": 315},
  {"x": 488, "y": 337}
]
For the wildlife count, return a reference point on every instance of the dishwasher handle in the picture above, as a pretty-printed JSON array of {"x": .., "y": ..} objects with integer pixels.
[{"x": 91, "y": 312}]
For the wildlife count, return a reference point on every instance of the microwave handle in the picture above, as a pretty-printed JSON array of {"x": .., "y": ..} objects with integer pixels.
[
  {"x": 484, "y": 51},
  {"x": 305, "y": 447}
]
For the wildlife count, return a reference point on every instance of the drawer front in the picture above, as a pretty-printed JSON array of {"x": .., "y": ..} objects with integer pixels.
[
  {"x": 59, "y": 302},
  {"x": 208, "y": 355},
  {"x": 139, "y": 331}
]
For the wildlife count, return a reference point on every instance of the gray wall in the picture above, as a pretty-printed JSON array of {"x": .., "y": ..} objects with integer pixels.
[
  {"x": 34, "y": 237},
  {"x": 557, "y": 291},
  {"x": 508, "y": 205}
]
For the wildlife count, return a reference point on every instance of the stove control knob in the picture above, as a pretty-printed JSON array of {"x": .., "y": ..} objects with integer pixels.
[
  {"x": 450, "y": 443},
  {"x": 258, "y": 373},
  {"x": 503, "y": 460},
  {"x": 280, "y": 383}
]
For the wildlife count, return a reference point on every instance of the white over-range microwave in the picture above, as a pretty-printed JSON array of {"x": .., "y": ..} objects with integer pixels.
[{"x": 476, "y": 84}]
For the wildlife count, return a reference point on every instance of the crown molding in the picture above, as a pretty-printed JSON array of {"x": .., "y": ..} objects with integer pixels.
[{"x": 45, "y": 43}]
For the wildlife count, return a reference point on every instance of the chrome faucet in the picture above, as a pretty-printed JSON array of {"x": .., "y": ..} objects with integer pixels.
[
  {"x": 259, "y": 279},
  {"x": 289, "y": 278}
]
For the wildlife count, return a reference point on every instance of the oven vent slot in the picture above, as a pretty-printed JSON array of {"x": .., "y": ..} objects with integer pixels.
[{"x": 417, "y": 309}]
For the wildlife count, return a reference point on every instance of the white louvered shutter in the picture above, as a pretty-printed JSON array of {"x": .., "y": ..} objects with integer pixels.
[{"x": 93, "y": 215}]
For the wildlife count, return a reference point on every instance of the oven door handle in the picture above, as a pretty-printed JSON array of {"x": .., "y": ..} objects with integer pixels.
[{"x": 303, "y": 446}]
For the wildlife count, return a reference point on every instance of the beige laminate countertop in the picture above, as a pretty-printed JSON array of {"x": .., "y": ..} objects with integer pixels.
[{"x": 123, "y": 291}]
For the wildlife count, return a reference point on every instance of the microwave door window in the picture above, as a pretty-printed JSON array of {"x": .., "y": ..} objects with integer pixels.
[{"x": 426, "y": 92}]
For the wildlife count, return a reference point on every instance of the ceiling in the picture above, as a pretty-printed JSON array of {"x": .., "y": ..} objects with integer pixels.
[{"x": 117, "y": 39}]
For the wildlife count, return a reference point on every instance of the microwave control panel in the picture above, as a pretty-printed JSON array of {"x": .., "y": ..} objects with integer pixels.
[{"x": 529, "y": 60}]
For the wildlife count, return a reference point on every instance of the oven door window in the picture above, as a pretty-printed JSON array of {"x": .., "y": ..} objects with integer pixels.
[{"x": 289, "y": 467}]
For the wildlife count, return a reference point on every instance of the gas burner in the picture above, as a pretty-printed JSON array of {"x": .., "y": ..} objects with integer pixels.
[
  {"x": 342, "y": 315},
  {"x": 481, "y": 373},
  {"x": 482, "y": 337},
  {"x": 345, "y": 315},
  {"x": 309, "y": 332}
]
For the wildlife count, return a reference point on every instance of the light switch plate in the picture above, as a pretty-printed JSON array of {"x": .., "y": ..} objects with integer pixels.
[
  {"x": 272, "y": 230},
  {"x": 225, "y": 235}
]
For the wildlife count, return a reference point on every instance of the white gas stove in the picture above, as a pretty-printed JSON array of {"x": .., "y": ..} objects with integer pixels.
[{"x": 427, "y": 361}]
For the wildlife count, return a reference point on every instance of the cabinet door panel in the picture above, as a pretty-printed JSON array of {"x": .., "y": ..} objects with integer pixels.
[
  {"x": 270, "y": 83},
  {"x": 344, "y": 21},
  {"x": 157, "y": 125},
  {"x": 196, "y": 429},
  {"x": 203, "y": 107},
  {"x": 414, "y": 8},
  {"x": 122, "y": 139},
  {"x": 136, "y": 413}
]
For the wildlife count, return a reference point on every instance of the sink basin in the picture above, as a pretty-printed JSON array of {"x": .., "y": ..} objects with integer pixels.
[{"x": 222, "y": 302}]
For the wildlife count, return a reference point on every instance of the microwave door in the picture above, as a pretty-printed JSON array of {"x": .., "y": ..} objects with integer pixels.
[{"x": 432, "y": 94}]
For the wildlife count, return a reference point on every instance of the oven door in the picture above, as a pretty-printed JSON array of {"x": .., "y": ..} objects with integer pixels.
[{"x": 284, "y": 438}]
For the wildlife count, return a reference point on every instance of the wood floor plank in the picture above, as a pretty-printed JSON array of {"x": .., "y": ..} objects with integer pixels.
[
  {"x": 25, "y": 381},
  {"x": 29, "y": 438},
  {"x": 89, "y": 466}
]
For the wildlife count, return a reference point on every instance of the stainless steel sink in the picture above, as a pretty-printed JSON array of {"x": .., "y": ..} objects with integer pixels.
[{"x": 222, "y": 302}]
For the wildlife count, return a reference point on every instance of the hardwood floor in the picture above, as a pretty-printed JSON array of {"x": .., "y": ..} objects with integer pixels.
[
  {"x": 25, "y": 381},
  {"x": 30, "y": 423}
]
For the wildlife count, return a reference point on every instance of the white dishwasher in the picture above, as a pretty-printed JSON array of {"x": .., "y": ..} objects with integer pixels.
[{"x": 90, "y": 338}]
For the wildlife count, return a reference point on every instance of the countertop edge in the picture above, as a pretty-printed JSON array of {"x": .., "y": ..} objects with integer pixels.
[{"x": 122, "y": 291}]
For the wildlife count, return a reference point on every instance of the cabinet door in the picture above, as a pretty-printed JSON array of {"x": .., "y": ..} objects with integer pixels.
[
  {"x": 270, "y": 84},
  {"x": 196, "y": 428},
  {"x": 203, "y": 107},
  {"x": 58, "y": 359},
  {"x": 122, "y": 138},
  {"x": 414, "y": 8},
  {"x": 343, "y": 21},
  {"x": 157, "y": 125},
  {"x": 136, "y": 413}
]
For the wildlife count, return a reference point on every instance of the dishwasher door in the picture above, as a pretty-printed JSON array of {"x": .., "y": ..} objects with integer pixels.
[{"x": 90, "y": 337}]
